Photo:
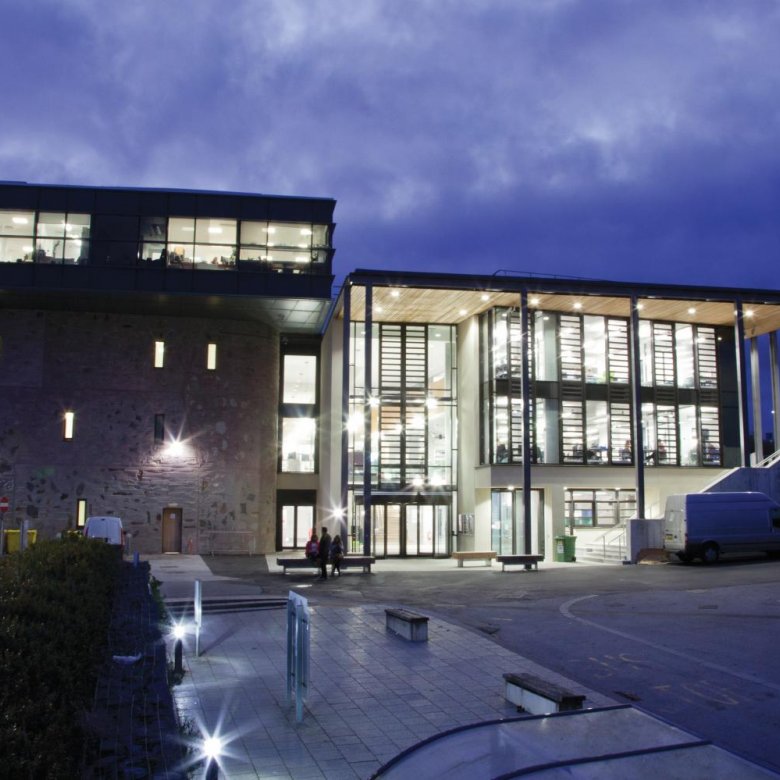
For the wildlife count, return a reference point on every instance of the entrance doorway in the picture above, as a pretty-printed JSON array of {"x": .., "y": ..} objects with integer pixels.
[
  {"x": 171, "y": 529},
  {"x": 295, "y": 518},
  {"x": 507, "y": 522},
  {"x": 409, "y": 530}
]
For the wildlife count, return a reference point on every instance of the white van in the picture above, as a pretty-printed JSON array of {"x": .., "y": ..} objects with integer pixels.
[
  {"x": 705, "y": 525},
  {"x": 109, "y": 529}
]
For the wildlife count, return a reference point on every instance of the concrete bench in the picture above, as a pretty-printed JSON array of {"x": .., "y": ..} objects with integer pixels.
[
  {"x": 474, "y": 555},
  {"x": 347, "y": 562},
  {"x": 407, "y": 624},
  {"x": 530, "y": 562},
  {"x": 539, "y": 697}
]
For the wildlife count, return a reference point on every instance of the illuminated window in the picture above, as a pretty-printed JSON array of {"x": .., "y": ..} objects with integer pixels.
[
  {"x": 159, "y": 354},
  {"x": 211, "y": 357},
  {"x": 299, "y": 379},
  {"x": 81, "y": 512},
  {"x": 68, "y": 422},
  {"x": 299, "y": 436}
]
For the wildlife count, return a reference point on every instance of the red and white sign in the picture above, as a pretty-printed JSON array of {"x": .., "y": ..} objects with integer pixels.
[{"x": 4, "y": 504}]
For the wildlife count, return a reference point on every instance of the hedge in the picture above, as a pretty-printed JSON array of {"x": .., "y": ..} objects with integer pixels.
[{"x": 55, "y": 607}]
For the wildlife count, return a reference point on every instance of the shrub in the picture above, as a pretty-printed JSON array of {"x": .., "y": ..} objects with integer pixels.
[{"x": 55, "y": 607}]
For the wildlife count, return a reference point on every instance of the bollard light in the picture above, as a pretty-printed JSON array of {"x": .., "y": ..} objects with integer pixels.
[
  {"x": 212, "y": 750},
  {"x": 178, "y": 632}
]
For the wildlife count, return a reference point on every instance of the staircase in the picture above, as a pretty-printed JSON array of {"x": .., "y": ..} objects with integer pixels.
[
  {"x": 610, "y": 547},
  {"x": 183, "y": 608},
  {"x": 764, "y": 477}
]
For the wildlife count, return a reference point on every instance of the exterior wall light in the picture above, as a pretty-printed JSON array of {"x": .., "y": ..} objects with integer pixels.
[{"x": 68, "y": 424}]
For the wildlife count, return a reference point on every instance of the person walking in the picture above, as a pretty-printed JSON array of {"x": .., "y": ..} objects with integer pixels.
[
  {"x": 324, "y": 553},
  {"x": 336, "y": 554}
]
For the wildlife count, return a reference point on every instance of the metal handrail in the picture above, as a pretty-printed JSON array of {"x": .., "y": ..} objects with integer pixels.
[
  {"x": 769, "y": 461},
  {"x": 620, "y": 535}
]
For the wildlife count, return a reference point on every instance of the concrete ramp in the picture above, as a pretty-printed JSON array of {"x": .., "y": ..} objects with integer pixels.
[{"x": 612, "y": 742}]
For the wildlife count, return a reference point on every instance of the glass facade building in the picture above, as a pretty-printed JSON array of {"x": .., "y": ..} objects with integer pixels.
[{"x": 514, "y": 410}]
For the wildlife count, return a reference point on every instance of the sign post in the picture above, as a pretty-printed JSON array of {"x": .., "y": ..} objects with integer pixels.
[
  {"x": 298, "y": 643},
  {"x": 197, "y": 608}
]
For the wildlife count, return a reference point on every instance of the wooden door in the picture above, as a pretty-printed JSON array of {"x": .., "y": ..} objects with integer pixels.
[{"x": 171, "y": 529}]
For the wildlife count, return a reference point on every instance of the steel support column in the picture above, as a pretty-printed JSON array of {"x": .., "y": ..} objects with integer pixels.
[
  {"x": 636, "y": 390},
  {"x": 755, "y": 392},
  {"x": 367, "y": 433},
  {"x": 525, "y": 385},
  {"x": 775, "y": 372},
  {"x": 343, "y": 509},
  {"x": 739, "y": 346}
]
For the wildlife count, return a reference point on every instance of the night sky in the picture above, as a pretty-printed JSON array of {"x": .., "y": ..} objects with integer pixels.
[{"x": 610, "y": 139}]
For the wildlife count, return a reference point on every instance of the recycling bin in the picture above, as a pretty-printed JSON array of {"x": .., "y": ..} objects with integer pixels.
[{"x": 564, "y": 549}]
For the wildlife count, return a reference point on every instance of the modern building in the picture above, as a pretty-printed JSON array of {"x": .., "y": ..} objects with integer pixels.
[
  {"x": 143, "y": 338},
  {"x": 176, "y": 358},
  {"x": 480, "y": 438}
]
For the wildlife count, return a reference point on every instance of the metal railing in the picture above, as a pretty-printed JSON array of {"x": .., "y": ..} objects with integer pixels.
[
  {"x": 769, "y": 461},
  {"x": 613, "y": 538}
]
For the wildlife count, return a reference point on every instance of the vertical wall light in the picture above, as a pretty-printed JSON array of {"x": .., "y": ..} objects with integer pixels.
[
  {"x": 81, "y": 512},
  {"x": 68, "y": 422},
  {"x": 211, "y": 357},
  {"x": 159, "y": 354}
]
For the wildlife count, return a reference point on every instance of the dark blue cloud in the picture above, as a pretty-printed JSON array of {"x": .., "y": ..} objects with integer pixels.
[{"x": 600, "y": 138}]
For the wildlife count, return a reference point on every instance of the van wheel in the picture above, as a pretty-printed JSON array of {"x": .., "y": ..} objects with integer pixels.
[
  {"x": 684, "y": 557},
  {"x": 710, "y": 554}
]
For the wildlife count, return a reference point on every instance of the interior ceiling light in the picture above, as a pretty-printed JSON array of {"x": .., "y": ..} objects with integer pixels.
[
  {"x": 463, "y": 312},
  {"x": 394, "y": 293},
  {"x": 640, "y": 306},
  {"x": 485, "y": 297},
  {"x": 692, "y": 310},
  {"x": 19, "y": 220},
  {"x": 749, "y": 312},
  {"x": 534, "y": 301},
  {"x": 577, "y": 305}
]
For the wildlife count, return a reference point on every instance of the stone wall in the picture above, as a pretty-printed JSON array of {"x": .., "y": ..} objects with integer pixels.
[{"x": 100, "y": 366}]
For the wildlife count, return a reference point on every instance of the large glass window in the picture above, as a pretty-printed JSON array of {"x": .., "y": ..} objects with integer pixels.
[
  {"x": 507, "y": 522},
  {"x": 45, "y": 237},
  {"x": 690, "y": 454},
  {"x": 595, "y": 349},
  {"x": 300, "y": 379},
  {"x": 298, "y": 444},
  {"x": 597, "y": 432},
  {"x": 213, "y": 244},
  {"x": 283, "y": 246},
  {"x": 683, "y": 337},
  {"x": 298, "y": 413},
  {"x": 602, "y": 508},
  {"x": 411, "y": 404},
  {"x": 545, "y": 346}
]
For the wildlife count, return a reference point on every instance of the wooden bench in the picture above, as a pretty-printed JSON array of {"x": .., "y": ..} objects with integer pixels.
[
  {"x": 474, "y": 555},
  {"x": 530, "y": 562},
  {"x": 539, "y": 697},
  {"x": 347, "y": 562},
  {"x": 407, "y": 624}
]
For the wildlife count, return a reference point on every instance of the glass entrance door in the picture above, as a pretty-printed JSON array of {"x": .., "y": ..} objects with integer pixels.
[
  {"x": 408, "y": 530},
  {"x": 297, "y": 525}
]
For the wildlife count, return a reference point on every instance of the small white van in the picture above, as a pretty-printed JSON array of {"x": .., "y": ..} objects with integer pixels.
[
  {"x": 109, "y": 529},
  {"x": 706, "y": 525}
]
